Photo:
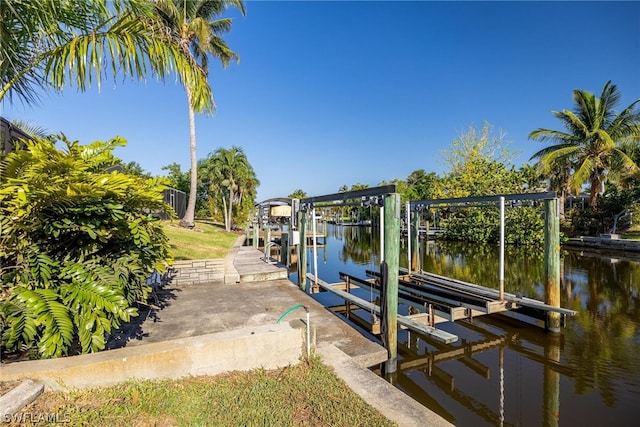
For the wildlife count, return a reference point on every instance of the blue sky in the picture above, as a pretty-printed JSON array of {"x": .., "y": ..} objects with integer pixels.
[{"x": 337, "y": 93}]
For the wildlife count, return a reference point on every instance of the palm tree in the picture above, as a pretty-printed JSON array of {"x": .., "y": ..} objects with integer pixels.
[
  {"x": 591, "y": 142},
  {"x": 298, "y": 194},
  {"x": 196, "y": 26},
  {"x": 233, "y": 180},
  {"x": 48, "y": 44}
]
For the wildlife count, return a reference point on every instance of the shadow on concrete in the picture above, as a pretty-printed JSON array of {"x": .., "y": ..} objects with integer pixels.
[{"x": 160, "y": 298}]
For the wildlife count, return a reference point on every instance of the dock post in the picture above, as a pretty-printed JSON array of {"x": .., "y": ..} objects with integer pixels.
[
  {"x": 284, "y": 248},
  {"x": 391, "y": 258},
  {"x": 501, "y": 280},
  {"x": 267, "y": 240},
  {"x": 256, "y": 234},
  {"x": 551, "y": 383},
  {"x": 302, "y": 250},
  {"x": 415, "y": 239},
  {"x": 552, "y": 263}
]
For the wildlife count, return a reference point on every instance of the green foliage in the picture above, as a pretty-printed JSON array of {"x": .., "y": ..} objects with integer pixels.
[
  {"x": 423, "y": 186},
  {"x": 233, "y": 185},
  {"x": 77, "y": 245},
  {"x": 52, "y": 44},
  {"x": 298, "y": 194},
  {"x": 477, "y": 168},
  {"x": 134, "y": 168},
  {"x": 592, "y": 146},
  {"x": 620, "y": 203},
  {"x": 176, "y": 178}
]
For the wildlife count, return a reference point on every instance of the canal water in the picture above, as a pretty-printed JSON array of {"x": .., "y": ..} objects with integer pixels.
[{"x": 502, "y": 371}]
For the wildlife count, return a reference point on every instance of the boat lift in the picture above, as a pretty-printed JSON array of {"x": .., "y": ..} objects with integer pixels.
[{"x": 443, "y": 299}]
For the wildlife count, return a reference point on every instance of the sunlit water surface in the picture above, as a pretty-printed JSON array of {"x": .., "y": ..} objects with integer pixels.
[{"x": 504, "y": 372}]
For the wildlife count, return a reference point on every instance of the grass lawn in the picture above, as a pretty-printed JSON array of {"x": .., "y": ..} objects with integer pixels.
[
  {"x": 207, "y": 240},
  {"x": 307, "y": 394}
]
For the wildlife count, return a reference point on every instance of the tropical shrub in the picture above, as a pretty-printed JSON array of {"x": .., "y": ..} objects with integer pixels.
[
  {"x": 479, "y": 167},
  {"x": 77, "y": 244}
]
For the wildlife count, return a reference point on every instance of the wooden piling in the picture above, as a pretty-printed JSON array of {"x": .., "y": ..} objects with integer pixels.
[
  {"x": 552, "y": 263},
  {"x": 551, "y": 383},
  {"x": 391, "y": 257},
  {"x": 415, "y": 235},
  {"x": 302, "y": 250}
]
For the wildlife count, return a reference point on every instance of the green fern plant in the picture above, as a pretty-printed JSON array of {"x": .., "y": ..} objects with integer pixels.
[{"x": 77, "y": 244}]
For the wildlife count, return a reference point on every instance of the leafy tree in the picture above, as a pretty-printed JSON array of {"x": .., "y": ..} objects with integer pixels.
[
  {"x": 477, "y": 161},
  {"x": 423, "y": 186},
  {"x": 233, "y": 184},
  {"x": 196, "y": 26},
  {"x": 591, "y": 141},
  {"x": 402, "y": 188},
  {"x": 533, "y": 179},
  {"x": 478, "y": 165},
  {"x": 298, "y": 194},
  {"x": 77, "y": 244},
  {"x": 46, "y": 44},
  {"x": 176, "y": 178},
  {"x": 134, "y": 168}
]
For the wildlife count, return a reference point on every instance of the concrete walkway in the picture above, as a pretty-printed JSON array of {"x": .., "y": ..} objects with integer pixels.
[{"x": 260, "y": 296}]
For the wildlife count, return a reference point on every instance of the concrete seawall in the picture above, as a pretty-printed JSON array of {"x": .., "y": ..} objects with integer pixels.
[
  {"x": 622, "y": 245},
  {"x": 260, "y": 346}
]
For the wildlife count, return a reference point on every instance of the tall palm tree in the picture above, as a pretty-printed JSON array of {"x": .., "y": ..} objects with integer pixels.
[
  {"x": 47, "y": 44},
  {"x": 591, "y": 141},
  {"x": 196, "y": 26}
]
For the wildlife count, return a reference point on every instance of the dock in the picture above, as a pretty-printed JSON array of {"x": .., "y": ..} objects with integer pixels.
[{"x": 435, "y": 299}]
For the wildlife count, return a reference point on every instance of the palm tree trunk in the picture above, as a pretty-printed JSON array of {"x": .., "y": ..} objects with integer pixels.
[
  {"x": 594, "y": 192},
  {"x": 230, "y": 207},
  {"x": 224, "y": 212},
  {"x": 189, "y": 216}
]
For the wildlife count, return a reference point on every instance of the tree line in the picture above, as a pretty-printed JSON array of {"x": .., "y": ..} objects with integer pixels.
[{"x": 597, "y": 151}]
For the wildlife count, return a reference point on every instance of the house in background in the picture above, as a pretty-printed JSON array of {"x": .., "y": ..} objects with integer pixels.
[{"x": 8, "y": 134}]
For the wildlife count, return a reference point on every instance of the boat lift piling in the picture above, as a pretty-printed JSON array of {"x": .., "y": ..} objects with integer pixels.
[{"x": 389, "y": 202}]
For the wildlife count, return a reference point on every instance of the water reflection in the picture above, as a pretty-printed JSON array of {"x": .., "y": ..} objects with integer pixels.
[{"x": 503, "y": 371}]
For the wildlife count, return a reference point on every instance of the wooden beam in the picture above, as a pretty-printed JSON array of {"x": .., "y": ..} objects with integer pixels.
[{"x": 436, "y": 334}]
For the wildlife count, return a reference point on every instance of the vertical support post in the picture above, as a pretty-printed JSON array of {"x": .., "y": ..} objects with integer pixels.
[
  {"x": 551, "y": 383},
  {"x": 552, "y": 262},
  {"x": 256, "y": 234},
  {"x": 391, "y": 257},
  {"x": 246, "y": 231},
  {"x": 284, "y": 249},
  {"x": 302, "y": 250},
  {"x": 382, "y": 233},
  {"x": 415, "y": 238},
  {"x": 267, "y": 240},
  {"x": 409, "y": 239},
  {"x": 315, "y": 249},
  {"x": 501, "y": 248},
  {"x": 501, "y": 364}
]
